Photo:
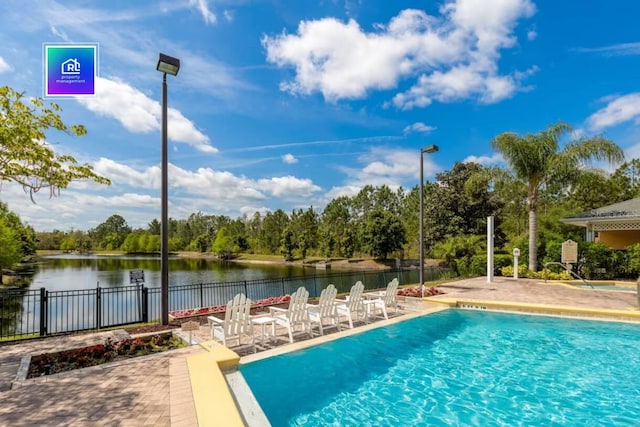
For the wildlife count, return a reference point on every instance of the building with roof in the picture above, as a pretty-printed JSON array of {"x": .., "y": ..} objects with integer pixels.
[{"x": 617, "y": 225}]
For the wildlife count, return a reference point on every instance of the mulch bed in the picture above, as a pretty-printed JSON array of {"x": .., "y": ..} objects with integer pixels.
[{"x": 110, "y": 351}]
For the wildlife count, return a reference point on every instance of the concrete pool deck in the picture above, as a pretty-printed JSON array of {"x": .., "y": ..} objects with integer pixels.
[{"x": 157, "y": 390}]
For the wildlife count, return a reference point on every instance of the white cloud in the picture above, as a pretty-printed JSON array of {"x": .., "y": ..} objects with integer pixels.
[
  {"x": 288, "y": 186},
  {"x": 210, "y": 186},
  {"x": 618, "y": 110},
  {"x": 59, "y": 33},
  {"x": 394, "y": 168},
  {"x": 4, "y": 66},
  {"x": 135, "y": 193},
  {"x": 203, "y": 7},
  {"x": 621, "y": 49},
  {"x": 532, "y": 35},
  {"x": 418, "y": 127},
  {"x": 132, "y": 200},
  {"x": 391, "y": 167},
  {"x": 140, "y": 114},
  {"x": 347, "y": 190},
  {"x": 228, "y": 15},
  {"x": 289, "y": 159},
  {"x": 455, "y": 54},
  {"x": 121, "y": 174},
  {"x": 484, "y": 160}
]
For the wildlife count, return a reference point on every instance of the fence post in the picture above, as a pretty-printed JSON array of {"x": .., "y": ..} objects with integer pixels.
[
  {"x": 145, "y": 304},
  {"x": 282, "y": 286},
  {"x": 98, "y": 307},
  {"x": 44, "y": 300},
  {"x": 201, "y": 295},
  {"x": 315, "y": 286}
]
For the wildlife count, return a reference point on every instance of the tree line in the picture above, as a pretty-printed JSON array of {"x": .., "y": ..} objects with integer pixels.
[
  {"x": 545, "y": 177},
  {"x": 380, "y": 222}
]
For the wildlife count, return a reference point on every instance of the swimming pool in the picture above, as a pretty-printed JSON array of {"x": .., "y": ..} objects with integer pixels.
[
  {"x": 606, "y": 286},
  {"x": 459, "y": 368}
]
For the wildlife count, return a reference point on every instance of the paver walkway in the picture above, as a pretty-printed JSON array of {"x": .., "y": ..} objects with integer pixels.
[
  {"x": 134, "y": 392},
  {"x": 536, "y": 292},
  {"x": 155, "y": 390}
]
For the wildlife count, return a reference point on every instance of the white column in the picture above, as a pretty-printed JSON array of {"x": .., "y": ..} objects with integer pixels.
[{"x": 489, "y": 249}]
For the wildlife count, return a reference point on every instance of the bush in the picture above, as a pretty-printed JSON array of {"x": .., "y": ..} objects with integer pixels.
[
  {"x": 500, "y": 261},
  {"x": 593, "y": 258},
  {"x": 546, "y": 274}
]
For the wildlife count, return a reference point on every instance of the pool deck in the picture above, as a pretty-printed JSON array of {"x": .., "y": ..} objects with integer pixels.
[{"x": 156, "y": 390}]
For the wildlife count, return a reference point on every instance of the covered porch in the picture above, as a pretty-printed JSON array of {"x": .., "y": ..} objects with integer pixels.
[{"x": 617, "y": 226}]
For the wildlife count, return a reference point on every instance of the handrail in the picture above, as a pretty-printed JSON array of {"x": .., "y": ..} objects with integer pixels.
[{"x": 568, "y": 271}]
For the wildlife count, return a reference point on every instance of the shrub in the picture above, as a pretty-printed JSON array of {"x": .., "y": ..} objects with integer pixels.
[
  {"x": 546, "y": 274},
  {"x": 592, "y": 258}
]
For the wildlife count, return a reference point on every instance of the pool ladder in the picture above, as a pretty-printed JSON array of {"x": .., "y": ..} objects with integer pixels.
[{"x": 576, "y": 275}]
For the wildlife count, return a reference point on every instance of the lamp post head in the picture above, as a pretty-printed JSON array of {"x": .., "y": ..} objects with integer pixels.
[
  {"x": 168, "y": 64},
  {"x": 430, "y": 149}
]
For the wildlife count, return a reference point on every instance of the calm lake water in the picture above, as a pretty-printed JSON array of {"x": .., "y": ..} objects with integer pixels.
[{"x": 70, "y": 272}]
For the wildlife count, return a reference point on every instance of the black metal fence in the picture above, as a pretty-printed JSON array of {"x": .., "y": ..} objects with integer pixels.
[{"x": 26, "y": 313}]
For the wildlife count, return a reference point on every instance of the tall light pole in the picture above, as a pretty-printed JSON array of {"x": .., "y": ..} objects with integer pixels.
[
  {"x": 428, "y": 149},
  {"x": 166, "y": 65}
]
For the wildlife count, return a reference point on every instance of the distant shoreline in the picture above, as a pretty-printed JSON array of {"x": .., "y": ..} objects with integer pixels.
[{"x": 340, "y": 264}]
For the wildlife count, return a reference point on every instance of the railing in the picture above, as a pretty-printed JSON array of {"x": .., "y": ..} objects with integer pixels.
[{"x": 26, "y": 313}]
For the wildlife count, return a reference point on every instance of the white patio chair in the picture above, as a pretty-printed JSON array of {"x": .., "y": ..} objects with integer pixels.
[
  {"x": 296, "y": 314},
  {"x": 352, "y": 307},
  {"x": 236, "y": 323},
  {"x": 380, "y": 301},
  {"x": 325, "y": 310}
]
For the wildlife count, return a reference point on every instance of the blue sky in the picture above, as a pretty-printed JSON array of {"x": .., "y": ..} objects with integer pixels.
[{"x": 287, "y": 104}]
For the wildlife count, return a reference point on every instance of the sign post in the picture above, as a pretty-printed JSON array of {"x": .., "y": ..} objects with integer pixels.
[
  {"x": 569, "y": 253},
  {"x": 136, "y": 277},
  {"x": 516, "y": 254},
  {"x": 489, "y": 249}
]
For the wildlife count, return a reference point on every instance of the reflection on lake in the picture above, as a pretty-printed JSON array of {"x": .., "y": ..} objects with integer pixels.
[{"x": 69, "y": 272}]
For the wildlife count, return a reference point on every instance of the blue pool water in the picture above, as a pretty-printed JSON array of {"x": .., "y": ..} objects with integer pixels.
[
  {"x": 459, "y": 368},
  {"x": 606, "y": 287}
]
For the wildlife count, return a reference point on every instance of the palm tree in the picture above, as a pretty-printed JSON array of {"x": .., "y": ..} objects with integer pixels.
[{"x": 536, "y": 160}]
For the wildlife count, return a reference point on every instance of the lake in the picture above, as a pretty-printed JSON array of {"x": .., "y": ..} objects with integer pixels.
[
  {"x": 71, "y": 272},
  {"x": 81, "y": 292}
]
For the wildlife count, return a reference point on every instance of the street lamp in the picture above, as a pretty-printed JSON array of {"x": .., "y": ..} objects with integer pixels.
[
  {"x": 166, "y": 65},
  {"x": 428, "y": 149}
]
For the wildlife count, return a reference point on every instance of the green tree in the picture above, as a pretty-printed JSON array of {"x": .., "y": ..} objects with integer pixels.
[
  {"x": 111, "y": 234},
  {"x": 337, "y": 236},
  {"x": 272, "y": 230},
  {"x": 10, "y": 250},
  {"x": 626, "y": 179},
  {"x": 24, "y": 234},
  {"x": 154, "y": 227},
  {"x": 132, "y": 243},
  {"x": 238, "y": 231},
  {"x": 223, "y": 245},
  {"x": 68, "y": 244},
  {"x": 49, "y": 240},
  {"x": 288, "y": 244},
  {"x": 201, "y": 243},
  {"x": 304, "y": 225},
  {"x": 458, "y": 251},
  {"x": 383, "y": 233},
  {"x": 25, "y": 155},
  {"x": 537, "y": 160},
  {"x": 459, "y": 203}
]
